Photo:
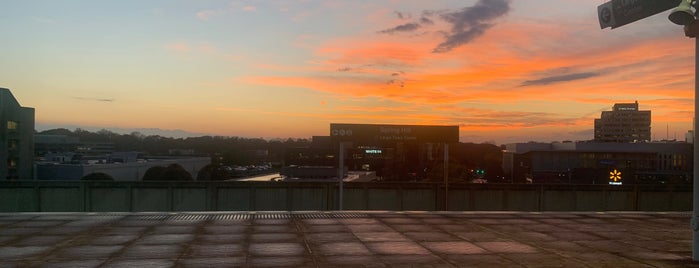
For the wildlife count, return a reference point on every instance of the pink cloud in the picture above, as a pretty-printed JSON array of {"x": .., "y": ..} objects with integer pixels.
[
  {"x": 207, "y": 14},
  {"x": 185, "y": 47},
  {"x": 178, "y": 47}
]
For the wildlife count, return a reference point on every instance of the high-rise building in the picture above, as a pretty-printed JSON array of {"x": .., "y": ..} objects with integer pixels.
[
  {"x": 624, "y": 123},
  {"x": 16, "y": 138},
  {"x": 689, "y": 136}
]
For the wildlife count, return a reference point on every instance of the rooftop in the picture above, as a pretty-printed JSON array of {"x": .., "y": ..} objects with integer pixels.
[{"x": 347, "y": 238}]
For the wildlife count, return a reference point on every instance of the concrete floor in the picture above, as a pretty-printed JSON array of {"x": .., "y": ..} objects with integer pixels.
[{"x": 346, "y": 239}]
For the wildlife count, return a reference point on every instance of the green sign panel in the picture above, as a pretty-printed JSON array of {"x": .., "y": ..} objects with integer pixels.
[
  {"x": 370, "y": 133},
  {"x": 617, "y": 13}
]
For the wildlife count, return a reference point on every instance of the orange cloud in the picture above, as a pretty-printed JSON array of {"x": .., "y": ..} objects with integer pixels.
[{"x": 519, "y": 64}]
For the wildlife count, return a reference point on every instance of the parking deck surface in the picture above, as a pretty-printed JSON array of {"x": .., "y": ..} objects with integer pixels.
[{"x": 346, "y": 239}]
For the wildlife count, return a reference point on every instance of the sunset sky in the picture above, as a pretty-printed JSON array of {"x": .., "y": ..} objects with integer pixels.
[{"x": 504, "y": 71}]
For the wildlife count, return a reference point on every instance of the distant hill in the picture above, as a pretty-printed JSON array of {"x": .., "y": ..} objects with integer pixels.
[{"x": 172, "y": 133}]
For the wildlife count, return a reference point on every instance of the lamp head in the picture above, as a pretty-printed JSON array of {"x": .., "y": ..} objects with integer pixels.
[{"x": 683, "y": 14}]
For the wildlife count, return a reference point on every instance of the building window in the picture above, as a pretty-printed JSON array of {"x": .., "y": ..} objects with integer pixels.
[
  {"x": 12, "y": 125},
  {"x": 12, "y": 163},
  {"x": 12, "y": 144},
  {"x": 12, "y": 169}
]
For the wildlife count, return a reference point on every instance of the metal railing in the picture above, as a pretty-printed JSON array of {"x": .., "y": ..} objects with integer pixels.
[{"x": 85, "y": 196}]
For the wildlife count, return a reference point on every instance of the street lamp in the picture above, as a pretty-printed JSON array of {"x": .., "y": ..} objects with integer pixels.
[{"x": 683, "y": 15}]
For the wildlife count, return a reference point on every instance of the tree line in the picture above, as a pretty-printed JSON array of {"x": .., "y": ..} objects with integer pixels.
[
  {"x": 466, "y": 159},
  {"x": 223, "y": 149}
]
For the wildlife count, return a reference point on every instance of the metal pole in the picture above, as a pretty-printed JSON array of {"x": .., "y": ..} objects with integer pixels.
[
  {"x": 695, "y": 169},
  {"x": 446, "y": 176},
  {"x": 341, "y": 172}
]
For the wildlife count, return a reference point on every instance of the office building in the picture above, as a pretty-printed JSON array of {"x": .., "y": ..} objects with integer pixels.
[
  {"x": 393, "y": 152},
  {"x": 16, "y": 138},
  {"x": 44, "y": 144},
  {"x": 598, "y": 162},
  {"x": 624, "y": 123}
]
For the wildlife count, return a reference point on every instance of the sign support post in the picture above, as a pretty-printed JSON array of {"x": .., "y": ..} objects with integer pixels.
[
  {"x": 341, "y": 173},
  {"x": 381, "y": 135}
]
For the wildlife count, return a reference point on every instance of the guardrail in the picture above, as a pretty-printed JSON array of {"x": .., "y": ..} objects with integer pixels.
[{"x": 85, "y": 196}]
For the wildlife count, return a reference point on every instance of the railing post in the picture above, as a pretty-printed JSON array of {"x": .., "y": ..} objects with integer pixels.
[
  {"x": 326, "y": 204},
  {"x": 575, "y": 199},
  {"x": 400, "y": 198},
  {"x": 37, "y": 197},
  {"x": 470, "y": 198},
  {"x": 605, "y": 198},
  {"x": 366, "y": 196},
  {"x": 211, "y": 196},
  {"x": 635, "y": 197},
  {"x": 542, "y": 196},
  {"x": 84, "y": 198},
  {"x": 446, "y": 176},
  {"x": 505, "y": 197},
  {"x": 129, "y": 189},
  {"x": 435, "y": 190},
  {"x": 289, "y": 198},
  {"x": 252, "y": 192},
  {"x": 170, "y": 198}
]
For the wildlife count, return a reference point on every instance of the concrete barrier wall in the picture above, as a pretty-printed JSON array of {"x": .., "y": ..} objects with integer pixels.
[
  {"x": 67, "y": 196},
  {"x": 234, "y": 198}
]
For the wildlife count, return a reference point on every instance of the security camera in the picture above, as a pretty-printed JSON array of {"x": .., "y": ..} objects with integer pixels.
[{"x": 683, "y": 14}]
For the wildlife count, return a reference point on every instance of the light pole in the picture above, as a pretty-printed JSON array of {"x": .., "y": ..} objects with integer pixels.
[
  {"x": 695, "y": 168},
  {"x": 617, "y": 13},
  {"x": 683, "y": 15}
]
